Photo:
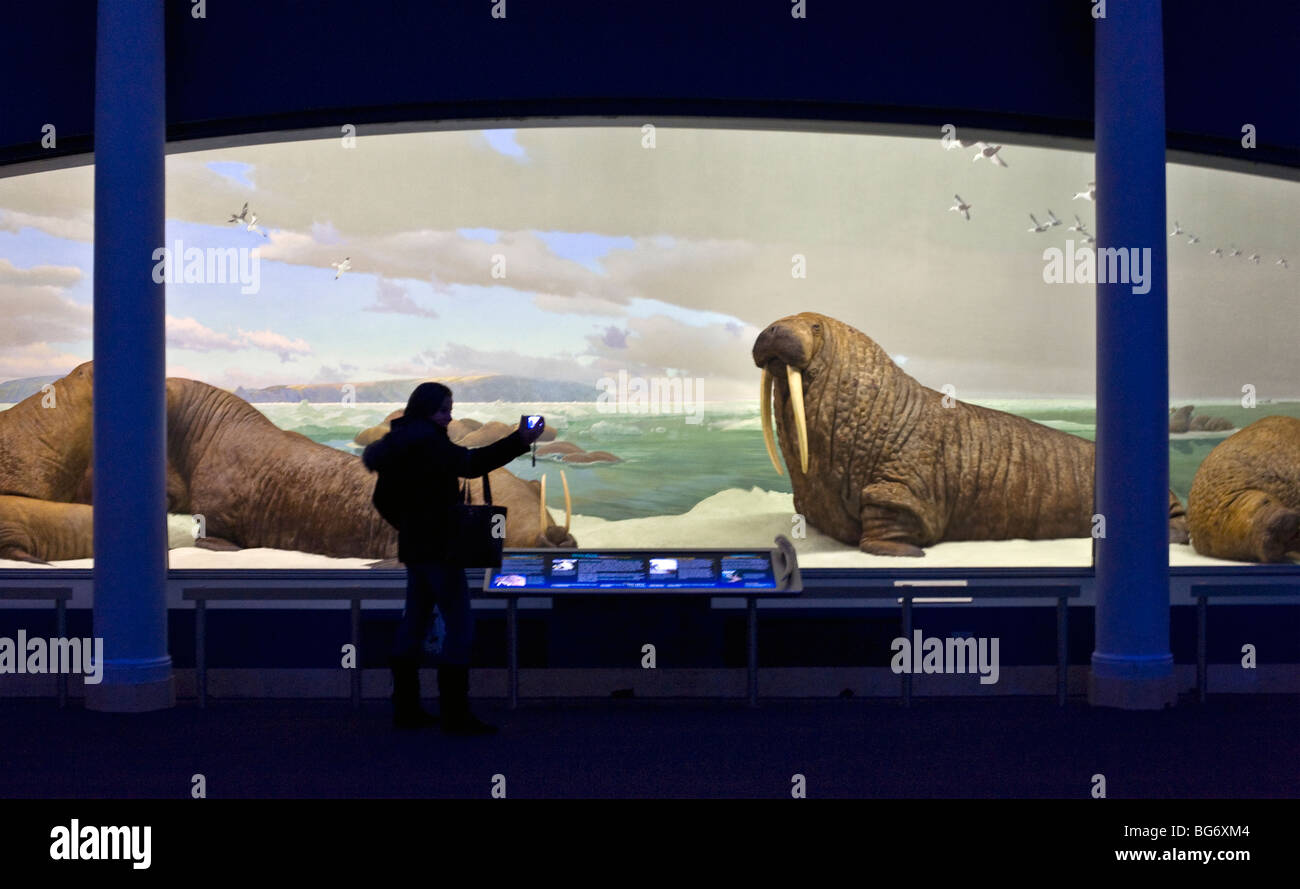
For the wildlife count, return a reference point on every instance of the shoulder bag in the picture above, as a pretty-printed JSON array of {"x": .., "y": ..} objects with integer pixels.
[{"x": 478, "y": 530}]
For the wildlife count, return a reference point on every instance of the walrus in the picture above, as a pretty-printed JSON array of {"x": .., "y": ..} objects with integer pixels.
[
  {"x": 1244, "y": 503},
  {"x": 1181, "y": 420},
  {"x": 877, "y": 461},
  {"x": 255, "y": 485},
  {"x": 558, "y": 447},
  {"x": 590, "y": 457},
  {"x": 45, "y": 441},
  {"x": 374, "y": 433},
  {"x": 44, "y": 531}
]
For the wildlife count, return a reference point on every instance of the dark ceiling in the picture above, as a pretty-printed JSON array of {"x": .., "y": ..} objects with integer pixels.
[{"x": 1022, "y": 66}]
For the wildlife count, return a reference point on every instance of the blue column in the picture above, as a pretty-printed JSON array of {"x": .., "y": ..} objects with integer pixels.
[
  {"x": 130, "y": 399},
  {"x": 1132, "y": 666}
]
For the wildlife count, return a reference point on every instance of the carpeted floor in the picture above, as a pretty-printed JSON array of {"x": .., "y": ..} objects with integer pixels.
[{"x": 1240, "y": 746}]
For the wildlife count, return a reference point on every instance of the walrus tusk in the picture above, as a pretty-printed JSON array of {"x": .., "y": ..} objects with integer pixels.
[
  {"x": 541, "y": 515},
  {"x": 800, "y": 421},
  {"x": 568, "y": 503},
  {"x": 765, "y": 409}
]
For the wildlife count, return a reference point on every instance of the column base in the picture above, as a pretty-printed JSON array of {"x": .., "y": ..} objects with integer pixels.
[{"x": 134, "y": 686}]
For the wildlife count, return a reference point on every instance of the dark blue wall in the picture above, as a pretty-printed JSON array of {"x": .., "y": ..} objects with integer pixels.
[{"x": 1019, "y": 65}]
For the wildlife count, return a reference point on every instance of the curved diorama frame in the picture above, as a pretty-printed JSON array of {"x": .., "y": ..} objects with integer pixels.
[{"x": 819, "y": 583}]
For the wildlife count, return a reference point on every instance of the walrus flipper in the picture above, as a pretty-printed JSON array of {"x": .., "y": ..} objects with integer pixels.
[
  {"x": 1177, "y": 520},
  {"x": 20, "y": 555},
  {"x": 217, "y": 545},
  {"x": 891, "y": 521},
  {"x": 1279, "y": 533}
]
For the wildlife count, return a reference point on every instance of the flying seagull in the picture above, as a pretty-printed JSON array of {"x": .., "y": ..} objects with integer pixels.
[
  {"x": 241, "y": 216},
  {"x": 1194, "y": 239},
  {"x": 990, "y": 152},
  {"x": 1088, "y": 238},
  {"x": 1051, "y": 218},
  {"x": 1282, "y": 263},
  {"x": 252, "y": 226},
  {"x": 1217, "y": 251},
  {"x": 1235, "y": 252},
  {"x": 344, "y": 266},
  {"x": 1089, "y": 195},
  {"x": 957, "y": 143},
  {"x": 1178, "y": 230},
  {"x": 961, "y": 207},
  {"x": 1038, "y": 226},
  {"x": 1078, "y": 225},
  {"x": 1254, "y": 257}
]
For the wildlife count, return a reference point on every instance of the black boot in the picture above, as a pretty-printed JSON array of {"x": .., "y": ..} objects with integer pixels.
[
  {"x": 453, "y": 691},
  {"x": 407, "y": 712}
]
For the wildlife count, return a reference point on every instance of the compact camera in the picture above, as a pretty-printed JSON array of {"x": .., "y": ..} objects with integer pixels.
[{"x": 533, "y": 421}]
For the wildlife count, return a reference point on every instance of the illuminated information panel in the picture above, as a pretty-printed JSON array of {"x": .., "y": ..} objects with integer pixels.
[{"x": 721, "y": 572}]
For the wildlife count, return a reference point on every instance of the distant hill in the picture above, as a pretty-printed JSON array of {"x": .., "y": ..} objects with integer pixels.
[
  {"x": 14, "y": 391},
  {"x": 481, "y": 387},
  {"x": 485, "y": 387}
]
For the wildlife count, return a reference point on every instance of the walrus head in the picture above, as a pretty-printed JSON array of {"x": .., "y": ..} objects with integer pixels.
[
  {"x": 789, "y": 348},
  {"x": 820, "y": 362}
]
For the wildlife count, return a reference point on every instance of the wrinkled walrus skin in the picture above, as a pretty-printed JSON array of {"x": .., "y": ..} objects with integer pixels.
[
  {"x": 255, "y": 485},
  {"x": 891, "y": 470},
  {"x": 1244, "y": 503},
  {"x": 43, "y": 531}
]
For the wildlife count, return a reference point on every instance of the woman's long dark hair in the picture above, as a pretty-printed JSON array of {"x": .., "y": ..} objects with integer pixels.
[{"x": 426, "y": 400}]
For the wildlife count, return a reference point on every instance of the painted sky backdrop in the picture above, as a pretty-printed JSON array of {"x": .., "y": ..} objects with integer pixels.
[{"x": 663, "y": 260}]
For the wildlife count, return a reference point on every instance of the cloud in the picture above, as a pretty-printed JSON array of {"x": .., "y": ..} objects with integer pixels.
[
  {"x": 719, "y": 354},
  {"x": 189, "y": 333},
  {"x": 37, "y": 360},
  {"x": 329, "y": 374},
  {"x": 458, "y": 359},
  {"x": 580, "y": 304},
  {"x": 447, "y": 258},
  {"x": 614, "y": 337},
  {"x": 234, "y": 377},
  {"x": 76, "y": 228},
  {"x": 41, "y": 275},
  {"x": 277, "y": 343},
  {"x": 391, "y": 296},
  {"x": 40, "y": 314},
  {"x": 419, "y": 365},
  {"x": 57, "y": 202},
  {"x": 325, "y": 233}
]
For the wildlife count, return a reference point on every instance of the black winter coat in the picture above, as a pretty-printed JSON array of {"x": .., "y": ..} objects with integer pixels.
[{"x": 428, "y": 466}]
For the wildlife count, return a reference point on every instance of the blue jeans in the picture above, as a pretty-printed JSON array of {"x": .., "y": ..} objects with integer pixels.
[{"x": 429, "y": 584}]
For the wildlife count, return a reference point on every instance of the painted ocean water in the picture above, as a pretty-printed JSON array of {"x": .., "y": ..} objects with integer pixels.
[{"x": 669, "y": 464}]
